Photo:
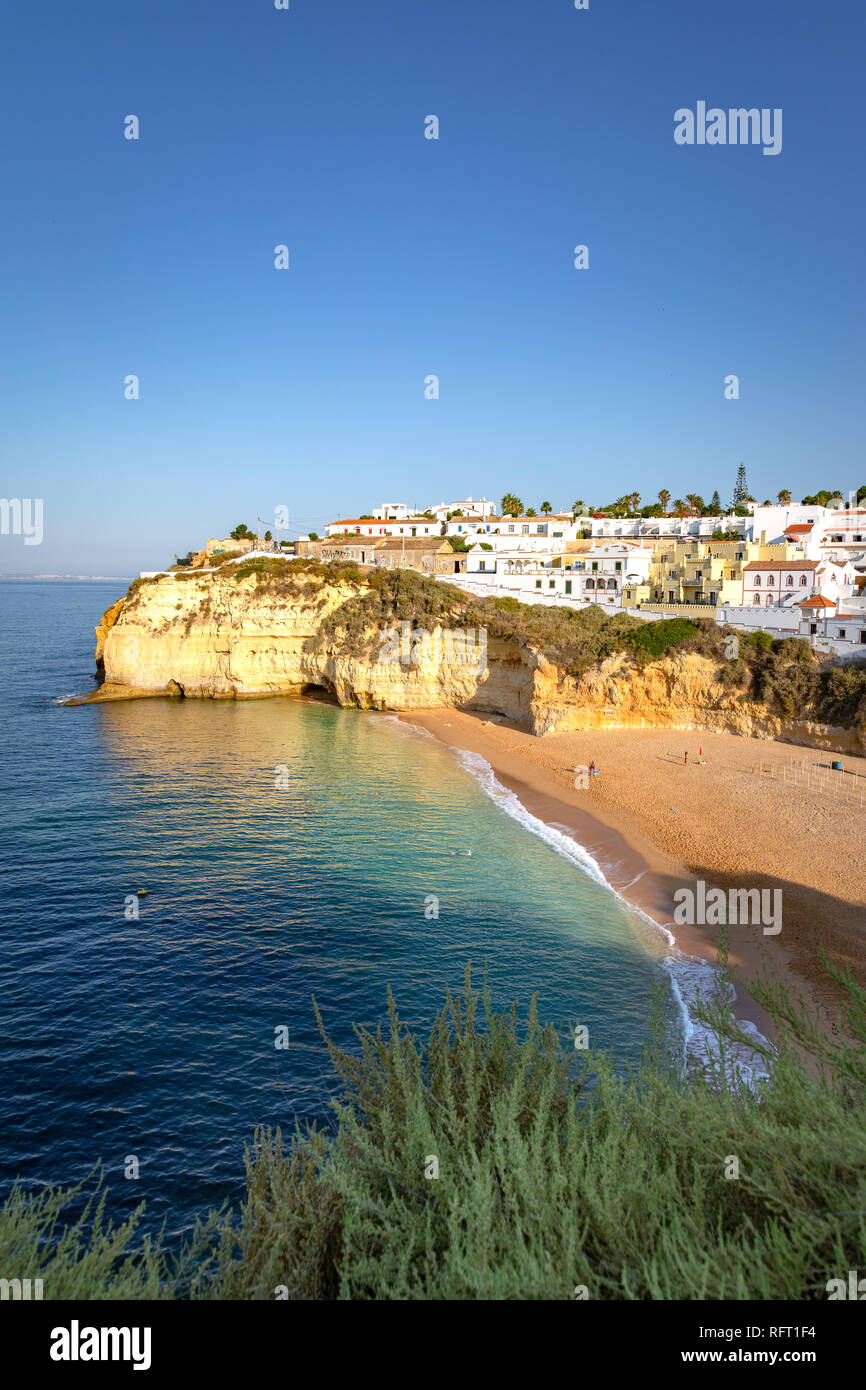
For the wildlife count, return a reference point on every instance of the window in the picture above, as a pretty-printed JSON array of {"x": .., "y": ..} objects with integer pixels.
[
  {"x": 802, "y": 581},
  {"x": 568, "y": 586},
  {"x": 595, "y": 566},
  {"x": 590, "y": 583},
  {"x": 670, "y": 596},
  {"x": 618, "y": 565},
  {"x": 770, "y": 581},
  {"x": 511, "y": 529},
  {"x": 841, "y": 633},
  {"x": 482, "y": 564},
  {"x": 757, "y": 598},
  {"x": 538, "y": 583},
  {"x": 542, "y": 530},
  {"x": 525, "y": 530},
  {"x": 611, "y": 583},
  {"x": 790, "y": 581},
  {"x": 757, "y": 581},
  {"x": 769, "y": 599}
]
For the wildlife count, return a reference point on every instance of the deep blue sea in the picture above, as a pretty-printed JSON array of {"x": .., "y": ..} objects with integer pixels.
[{"x": 155, "y": 1037}]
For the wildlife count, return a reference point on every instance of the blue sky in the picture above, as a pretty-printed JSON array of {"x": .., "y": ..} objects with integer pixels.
[{"x": 305, "y": 388}]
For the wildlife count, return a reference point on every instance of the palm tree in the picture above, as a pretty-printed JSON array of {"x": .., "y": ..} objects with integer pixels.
[
  {"x": 695, "y": 501},
  {"x": 664, "y": 497},
  {"x": 634, "y": 500},
  {"x": 511, "y": 505},
  {"x": 784, "y": 496},
  {"x": 530, "y": 511},
  {"x": 577, "y": 506},
  {"x": 546, "y": 507},
  {"x": 679, "y": 504}
]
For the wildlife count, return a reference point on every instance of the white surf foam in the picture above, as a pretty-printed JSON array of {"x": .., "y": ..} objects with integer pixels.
[{"x": 693, "y": 980}]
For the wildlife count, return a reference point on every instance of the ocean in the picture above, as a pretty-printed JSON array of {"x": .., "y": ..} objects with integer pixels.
[{"x": 289, "y": 851}]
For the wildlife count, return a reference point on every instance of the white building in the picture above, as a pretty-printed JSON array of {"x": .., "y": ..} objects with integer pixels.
[
  {"x": 476, "y": 506},
  {"x": 837, "y": 626},
  {"x": 778, "y": 583},
  {"x": 597, "y": 576},
  {"x": 777, "y": 520},
  {"x": 376, "y": 526},
  {"x": 842, "y": 533},
  {"x": 391, "y": 511},
  {"x": 658, "y": 527}
]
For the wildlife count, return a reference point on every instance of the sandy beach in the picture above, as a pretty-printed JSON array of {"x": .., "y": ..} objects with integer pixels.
[{"x": 657, "y": 824}]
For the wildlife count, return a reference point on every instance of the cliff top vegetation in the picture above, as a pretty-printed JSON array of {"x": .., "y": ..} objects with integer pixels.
[{"x": 782, "y": 673}]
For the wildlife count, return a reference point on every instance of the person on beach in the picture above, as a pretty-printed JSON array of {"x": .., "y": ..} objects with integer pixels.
[
  {"x": 685, "y": 757},
  {"x": 592, "y": 769}
]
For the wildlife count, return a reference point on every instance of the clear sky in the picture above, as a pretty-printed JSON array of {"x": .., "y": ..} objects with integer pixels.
[{"x": 411, "y": 257}]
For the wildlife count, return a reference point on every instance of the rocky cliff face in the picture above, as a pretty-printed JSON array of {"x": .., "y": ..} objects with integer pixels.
[
  {"x": 218, "y": 637},
  {"x": 680, "y": 692}
]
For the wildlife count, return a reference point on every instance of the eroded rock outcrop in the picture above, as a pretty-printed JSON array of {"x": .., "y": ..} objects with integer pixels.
[{"x": 216, "y": 636}]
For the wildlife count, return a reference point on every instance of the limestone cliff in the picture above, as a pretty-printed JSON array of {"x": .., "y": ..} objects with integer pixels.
[
  {"x": 679, "y": 692},
  {"x": 102, "y": 629},
  {"x": 216, "y": 636}
]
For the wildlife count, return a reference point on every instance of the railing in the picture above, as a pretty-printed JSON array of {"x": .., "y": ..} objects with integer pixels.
[{"x": 700, "y": 610}]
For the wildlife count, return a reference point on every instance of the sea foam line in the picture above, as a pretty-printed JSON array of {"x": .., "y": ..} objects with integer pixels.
[{"x": 693, "y": 980}]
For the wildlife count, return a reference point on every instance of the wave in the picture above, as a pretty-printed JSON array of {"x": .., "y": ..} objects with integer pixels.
[{"x": 693, "y": 980}]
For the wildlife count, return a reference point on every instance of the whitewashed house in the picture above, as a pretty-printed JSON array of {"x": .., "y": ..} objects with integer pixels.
[{"x": 475, "y": 506}]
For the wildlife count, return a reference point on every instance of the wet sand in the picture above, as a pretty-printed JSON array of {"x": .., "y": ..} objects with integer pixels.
[{"x": 655, "y": 824}]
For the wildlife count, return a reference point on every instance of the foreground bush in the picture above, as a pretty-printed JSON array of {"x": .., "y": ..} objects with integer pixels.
[{"x": 554, "y": 1172}]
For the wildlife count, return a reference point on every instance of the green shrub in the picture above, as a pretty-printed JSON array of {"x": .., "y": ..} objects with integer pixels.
[
  {"x": 83, "y": 1256},
  {"x": 556, "y": 1169},
  {"x": 652, "y": 640}
]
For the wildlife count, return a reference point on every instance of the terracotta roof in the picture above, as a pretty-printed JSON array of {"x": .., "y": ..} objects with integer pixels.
[
  {"x": 781, "y": 565},
  {"x": 817, "y": 601},
  {"x": 385, "y": 521},
  {"x": 413, "y": 543},
  {"x": 799, "y": 527},
  {"x": 353, "y": 542}
]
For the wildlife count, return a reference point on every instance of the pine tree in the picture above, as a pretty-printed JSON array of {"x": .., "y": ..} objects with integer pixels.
[
  {"x": 741, "y": 487},
  {"x": 716, "y": 504}
]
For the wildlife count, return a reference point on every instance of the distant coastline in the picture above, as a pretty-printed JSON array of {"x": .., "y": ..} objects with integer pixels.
[{"x": 91, "y": 578}]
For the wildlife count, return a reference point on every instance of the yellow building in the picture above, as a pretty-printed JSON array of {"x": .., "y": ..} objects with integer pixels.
[{"x": 703, "y": 572}]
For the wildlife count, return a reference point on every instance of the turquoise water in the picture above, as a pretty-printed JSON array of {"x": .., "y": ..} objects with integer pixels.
[{"x": 155, "y": 1037}]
